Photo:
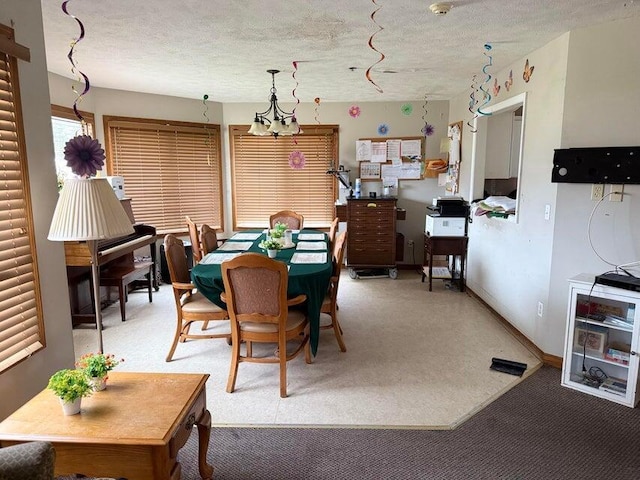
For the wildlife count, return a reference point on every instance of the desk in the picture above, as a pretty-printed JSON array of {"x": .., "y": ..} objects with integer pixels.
[
  {"x": 455, "y": 246},
  {"x": 311, "y": 280},
  {"x": 133, "y": 429}
]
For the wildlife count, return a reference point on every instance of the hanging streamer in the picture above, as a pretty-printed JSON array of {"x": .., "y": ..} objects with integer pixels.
[
  {"x": 74, "y": 68},
  {"x": 424, "y": 115},
  {"x": 293, "y": 93},
  {"x": 368, "y": 73},
  {"x": 472, "y": 103},
  {"x": 317, "y": 100},
  {"x": 486, "y": 94},
  {"x": 207, "y": 141}
]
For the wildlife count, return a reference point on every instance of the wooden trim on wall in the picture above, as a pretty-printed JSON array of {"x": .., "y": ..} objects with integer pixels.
[{"x": 545, "y": 358}]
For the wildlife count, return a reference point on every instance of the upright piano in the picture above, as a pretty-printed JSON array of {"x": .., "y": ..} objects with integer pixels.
[{"x": 114, "y": 251}]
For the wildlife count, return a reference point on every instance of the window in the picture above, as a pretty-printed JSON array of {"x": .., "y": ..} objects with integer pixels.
[
  {"x": 21, "y": 323},
  {"x": 264, "y": 183},
  {"x": 170, "y": 170},
  {"x": 67, "y": 125}
]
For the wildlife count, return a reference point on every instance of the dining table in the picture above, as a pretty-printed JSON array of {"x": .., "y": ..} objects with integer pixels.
[{"x": 309, "y": 270}]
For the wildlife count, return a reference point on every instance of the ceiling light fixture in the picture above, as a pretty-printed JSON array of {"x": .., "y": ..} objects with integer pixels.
[
  {"x": 440, "y": 9},
  {"x": 278, "y": 125}
]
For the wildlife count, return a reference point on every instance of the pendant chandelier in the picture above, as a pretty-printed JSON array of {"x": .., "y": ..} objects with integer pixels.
[{"x": 262, "y": 125}]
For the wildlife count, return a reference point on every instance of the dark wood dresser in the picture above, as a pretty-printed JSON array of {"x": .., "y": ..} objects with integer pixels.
[{"x": 371, "y": 241}]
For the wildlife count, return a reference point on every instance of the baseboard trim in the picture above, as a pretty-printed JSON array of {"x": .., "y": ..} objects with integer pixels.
[{"x": 545, "y": 358}]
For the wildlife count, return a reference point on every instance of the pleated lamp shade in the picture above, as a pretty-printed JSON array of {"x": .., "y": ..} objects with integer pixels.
[{"x": 88, "y": 209}]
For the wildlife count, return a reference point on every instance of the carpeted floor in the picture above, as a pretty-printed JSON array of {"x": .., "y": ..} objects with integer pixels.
[{"x": 537, "y": 430}]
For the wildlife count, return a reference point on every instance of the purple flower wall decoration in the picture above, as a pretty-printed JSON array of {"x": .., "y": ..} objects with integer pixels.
[
  {"x": 297, "y": 160},
  {"x": 383, "y": 129},
  {"x": 84, "y": 155},
  {"x": 428, "y": 130},
  {"x": 354, "y": 111}
]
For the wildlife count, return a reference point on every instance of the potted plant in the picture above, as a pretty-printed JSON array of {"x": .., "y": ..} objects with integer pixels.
[
  {"x": 97, "y": 366},
  {"x": 70, "y": 386},
  {"x": 272, "y": 246}
]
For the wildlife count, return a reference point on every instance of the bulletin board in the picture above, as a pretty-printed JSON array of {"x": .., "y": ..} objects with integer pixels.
[{"x": 375, "y": 165}]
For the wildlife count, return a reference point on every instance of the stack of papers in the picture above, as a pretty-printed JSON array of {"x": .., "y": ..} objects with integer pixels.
[
  {"x": 309, "y": 257},
  {"x": 214, "y": 258},
  {"x": 311, "y": 236},
  {"x": 311, "y": 246},
  {"x": 237, "y": 246}
]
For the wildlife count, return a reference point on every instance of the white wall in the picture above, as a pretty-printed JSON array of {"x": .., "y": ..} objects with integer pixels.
[
  {"x": 24, "y": 380},
  {"x": 601, "y": 109},
  {"x": 510, "y": 263},
  {"x": 413, "y": 195}
]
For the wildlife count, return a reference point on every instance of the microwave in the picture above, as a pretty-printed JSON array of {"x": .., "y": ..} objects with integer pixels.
[{"x": 439, "y": 226}]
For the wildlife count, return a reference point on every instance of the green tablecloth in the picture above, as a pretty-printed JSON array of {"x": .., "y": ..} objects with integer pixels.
[{"x": 309, "y": 279}]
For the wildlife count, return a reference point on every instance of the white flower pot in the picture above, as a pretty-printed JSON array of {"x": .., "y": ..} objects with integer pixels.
[
  {"x": 272, "y": 253},
  {"x": 71, "y": 408},
  {"x": 99, "y": 383}
]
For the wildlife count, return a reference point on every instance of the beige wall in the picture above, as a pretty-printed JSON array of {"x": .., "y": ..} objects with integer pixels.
[{"x": 24, "y": 380}]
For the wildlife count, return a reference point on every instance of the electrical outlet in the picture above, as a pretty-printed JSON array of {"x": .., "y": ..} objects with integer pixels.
[
  {"x": 597, "y": 191},
  {"x": 540, "y": 309},
  {"x": 616, "y": 193},
  {"x": 410, "y": 243}
]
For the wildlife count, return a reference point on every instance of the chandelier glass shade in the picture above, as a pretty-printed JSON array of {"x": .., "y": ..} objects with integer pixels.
[{"x": 263, "y": 125}]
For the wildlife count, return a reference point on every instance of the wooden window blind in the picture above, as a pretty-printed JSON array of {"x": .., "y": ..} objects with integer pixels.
[
  {"x": 21, "y": 320},
  {"x": 263, "y": 182},
  {"x": 170, "y": 170}
]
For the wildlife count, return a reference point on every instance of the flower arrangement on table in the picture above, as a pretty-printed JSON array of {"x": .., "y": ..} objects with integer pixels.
[
  {"x": 270, "y": 244},
  {"x": 70, "y": 385},
  {"x": 97, "y": 366}
]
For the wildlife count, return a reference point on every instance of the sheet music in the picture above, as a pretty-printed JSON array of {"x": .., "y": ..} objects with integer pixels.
[
  {"x": 231, "y": 246},
  {"x": 213, "y": 258},
  {"x": 246, "y": 236},
  {"x": 311, "y": 236},
  {"x": 309, "y": 257},
  {"x": 311, "y": 246}
]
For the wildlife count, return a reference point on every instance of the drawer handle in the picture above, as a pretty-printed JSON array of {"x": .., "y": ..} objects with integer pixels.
[
  {"x": 371, "y": 205},
  {"x": 191, "y": 421}
]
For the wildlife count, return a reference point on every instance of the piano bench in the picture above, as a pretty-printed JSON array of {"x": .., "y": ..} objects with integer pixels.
[{"x": 121, "y": 276}]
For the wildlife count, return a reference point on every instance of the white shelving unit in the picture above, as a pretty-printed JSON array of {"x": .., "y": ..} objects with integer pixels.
[{"x": 606, "y": 365}]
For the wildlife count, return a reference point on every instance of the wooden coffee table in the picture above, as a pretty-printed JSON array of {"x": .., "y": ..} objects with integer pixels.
[{"x": 133, "y": 429}]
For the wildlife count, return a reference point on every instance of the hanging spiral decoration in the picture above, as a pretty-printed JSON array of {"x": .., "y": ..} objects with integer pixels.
[
  {"x": 380, "y": 28},
  {"x": 317, "y": 101},
  {"x": 74, "y": 67},
  {"x": 485, "y": 92},
  {"x": 473, "y": 102},
  {"x": 293, "y": 93},
  {"x": 424, "y": 114},
  {"x": 207, "y": 141}
]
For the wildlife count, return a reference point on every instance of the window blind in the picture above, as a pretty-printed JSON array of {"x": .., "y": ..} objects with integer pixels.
[
  {"x": 170, "y": 170},
  {"x": 21, "y": 321},
  {"x": 263, "y": 182}
]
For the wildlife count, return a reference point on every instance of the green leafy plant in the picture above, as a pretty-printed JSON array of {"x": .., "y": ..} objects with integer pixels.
[
  {"x": 70, "y": 384},
  {"x": 275, "y": 233},
  {"x": 281, "y": 227},
  {"x": 270, "y": 244},
  {"x": 97, "y": 364}
]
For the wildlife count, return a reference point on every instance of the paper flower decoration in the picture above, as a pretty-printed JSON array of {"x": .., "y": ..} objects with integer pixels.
[
  {"x": 406, "y": 109},
  {"x": 296, "y": 160},
  {"x": 84, "y": 155},
  {"x": 354, "y": 111},
  {"x": 383, "y": 129},
  {"x": 428, "y": 130}
]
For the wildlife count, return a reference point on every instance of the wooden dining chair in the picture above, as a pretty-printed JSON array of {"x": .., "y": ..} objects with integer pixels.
[
  {"x": 208, "y": 239},
  {"x": 333, "y": 230},
  {"x": 255, "y": 291},
  {"x": 330, "y": 303},
  {"x": 191, "y": 305},
  {"x": 195, "y": 240},
  {"x": 292, "y": 219}
]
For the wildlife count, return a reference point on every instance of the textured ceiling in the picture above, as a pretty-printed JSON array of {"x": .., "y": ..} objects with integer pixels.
[{"x": 189, "y": 48}]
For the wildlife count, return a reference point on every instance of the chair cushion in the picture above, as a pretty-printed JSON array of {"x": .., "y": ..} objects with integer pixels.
[
  {"x": 294, "y": 320},
  {"x": 198, "y": 303},
  {"x": 32, "y": 460}
]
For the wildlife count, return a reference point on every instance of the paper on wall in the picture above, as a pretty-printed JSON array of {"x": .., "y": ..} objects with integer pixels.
[{"x": 363, "y": 150}]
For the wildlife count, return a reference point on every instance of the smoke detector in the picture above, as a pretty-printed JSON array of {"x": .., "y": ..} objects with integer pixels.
[{"x": 440, "y": 9}]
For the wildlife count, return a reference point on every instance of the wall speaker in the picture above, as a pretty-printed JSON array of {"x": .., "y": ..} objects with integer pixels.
[{"x": 597, "y": 165}]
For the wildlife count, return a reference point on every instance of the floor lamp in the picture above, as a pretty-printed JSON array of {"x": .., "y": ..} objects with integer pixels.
[{"x": 88, "y": 210}]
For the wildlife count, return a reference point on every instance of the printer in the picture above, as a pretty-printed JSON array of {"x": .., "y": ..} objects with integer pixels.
[{"x": 447, "y": 218}]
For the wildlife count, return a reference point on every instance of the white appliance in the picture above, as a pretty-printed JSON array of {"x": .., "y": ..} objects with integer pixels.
[
  {"x": 438, "y": 226},
  {"x": 117, "y": 183}
]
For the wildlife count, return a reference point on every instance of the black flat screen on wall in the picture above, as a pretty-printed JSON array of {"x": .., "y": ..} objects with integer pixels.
[{"x": 596, "y": 165}]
